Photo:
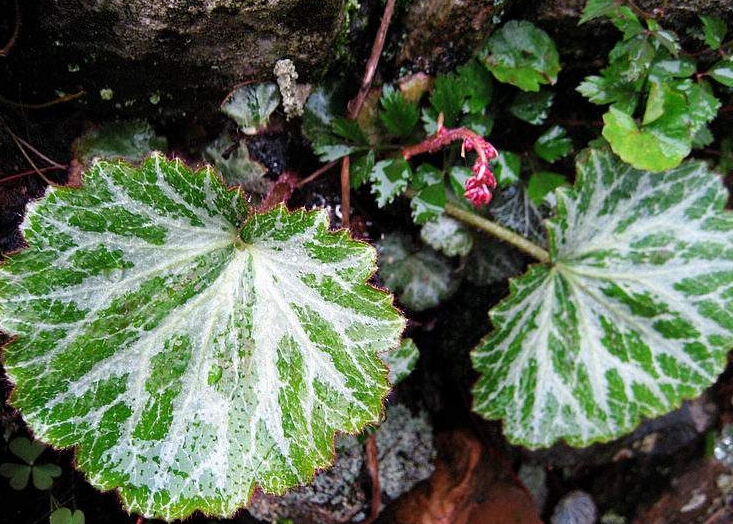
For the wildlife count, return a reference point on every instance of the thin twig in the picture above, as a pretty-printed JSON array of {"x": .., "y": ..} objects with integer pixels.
[
  {"x": 16, "y": 31},
  {"x": 318, "y": 172},
  {"x": 371, "y": 67},
  {"x": 30, "y": 172},
  {"x": 28, "y": 158},
  {"x": 22, "y": 145},
  {"x": 345, "y": 192},
  {"x": 354, "y": 106},
  {"x": 17, "y": 140},
  {"x": 43, "y": 105},
  {"x": 372, "y": 464}
]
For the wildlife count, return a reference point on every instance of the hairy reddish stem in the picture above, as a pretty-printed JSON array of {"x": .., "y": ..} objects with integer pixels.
[
  {"x": 446, "y": 136},
  {"x": 345, "y": 192},
  {"x": 31, "y": 172},
  {"x": 372, "y": 463},
  {"x": 479, "y": 186}
]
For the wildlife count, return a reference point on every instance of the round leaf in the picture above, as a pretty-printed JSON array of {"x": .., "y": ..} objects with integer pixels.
[
  {"x": 523, "y": 55},
  {"x": 188, "y": 350},
  {"x": 633, "y": 315}
]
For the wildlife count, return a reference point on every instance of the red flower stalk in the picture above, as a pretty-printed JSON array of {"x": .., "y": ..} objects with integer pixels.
[{"x": 479, "y": 186}]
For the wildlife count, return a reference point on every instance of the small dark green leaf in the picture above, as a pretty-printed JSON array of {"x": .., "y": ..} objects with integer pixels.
[
  {"x": 361, "y": 168},
  {"x": 428, "y": 203},
  {"x": 132, "y": 140},
  {"x": 543, "y": 182},
  {"x": 325, "y": 128},
  {"x": 523, "y": 55},
  {"x": 507, "y": 167},
  {"x": 426, "y": 175},
  {"x": 553, "y": 144},
  {"x": 389, "y": 178},
  {"x": 603, "y": 90},
  {"x": 350, "y": 131},
  {"x": 18, "y": 474},
  {"x": 27, "y": 450},
  {"x": 65, "y": 516},
  {"x": 714, "y": 30},
  {"x": 238, "y": 169},
  {"x": 532, "y": 107},
  {"x": 447, "y": 98},
  {"x": 43, "y": 475},
  {"x": 513, "y": 208},
  {"x": 702, "y": 138},
  {"x": 398, "y": 115},
  {"x": 668, "y": 40},
  {"x": 723, "y": 72},
  {"x": 627, "y": 22},
  {"x": 491, "y": 262},
  {"x": 631, "y": 59},
  {"x": 596, "y": 9},
  {"x": 479, "y": 123},
  {"x": 673, "y": 68},
  {"x": 477, "y": 87}
]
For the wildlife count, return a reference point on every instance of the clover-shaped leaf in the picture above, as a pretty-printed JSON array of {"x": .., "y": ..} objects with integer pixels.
[
  {"x": 189, "y": 348},
  {"x": 66, "y": 516},
  {"x": 19, "y": 474}
]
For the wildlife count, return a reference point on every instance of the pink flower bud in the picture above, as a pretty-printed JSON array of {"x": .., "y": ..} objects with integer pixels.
[{"x": 480, "y": 195}]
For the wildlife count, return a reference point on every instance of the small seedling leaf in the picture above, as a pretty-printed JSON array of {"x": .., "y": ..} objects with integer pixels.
[
  {"x": 131, "y": 140},
  {"x": 723, "y": 72},
  {"x": 250, "y": 106}
]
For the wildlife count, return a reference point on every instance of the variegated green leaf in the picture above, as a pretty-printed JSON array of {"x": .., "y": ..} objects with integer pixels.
[
  {"x": 448, "y": 235},
  {"x": 421, "y": 277},
  {"x": 188, "y": 349},
  {"x": 402, "y": 360},
  {"x": 633, "y": 315}
]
